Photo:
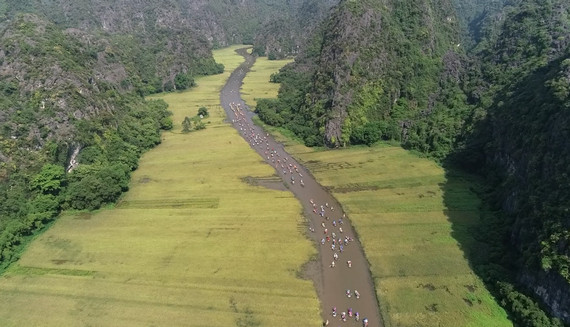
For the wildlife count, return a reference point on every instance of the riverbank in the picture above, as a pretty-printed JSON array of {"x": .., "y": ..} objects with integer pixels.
[
  {"x": 415, "y": 220},
  {"x": 350, "y": 272}
]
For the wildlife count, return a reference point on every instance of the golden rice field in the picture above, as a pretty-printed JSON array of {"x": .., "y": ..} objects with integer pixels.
[
  {"x": 256, "y": 83},
  {"x": 412, "y": 219},
  {"x": 191, "y": 243}
]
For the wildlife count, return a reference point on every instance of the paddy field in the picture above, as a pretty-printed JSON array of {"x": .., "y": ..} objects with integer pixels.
[
  {"x": 256, "y": 83},
  {"x": 413, "y": 219}
]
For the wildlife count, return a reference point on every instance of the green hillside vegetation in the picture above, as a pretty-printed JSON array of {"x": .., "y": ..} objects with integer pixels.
[
  {"x": 192, "y": 243},
  {"x": 153, "y": 52},
  {"x": 276, "y": 27},
  {"x": 499, "y": 110},
  {"x": 41, "y": 126},
  {"x": 148, "y": 61},
  {"x": 476, "y": 17},
  {"x": 517, "y": 137},
  {"x": 398, "y": 81}
]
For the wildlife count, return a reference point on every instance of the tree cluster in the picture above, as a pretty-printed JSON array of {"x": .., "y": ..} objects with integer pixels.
[{"x": 195, "y": 123}]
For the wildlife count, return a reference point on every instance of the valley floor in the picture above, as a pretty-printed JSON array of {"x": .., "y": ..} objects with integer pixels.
[
  {"x": 412, "y": 218},
  {"x": 192, "y": 243}
]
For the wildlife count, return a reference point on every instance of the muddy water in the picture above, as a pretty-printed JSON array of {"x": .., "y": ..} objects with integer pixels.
[{"x": 331, "y": 283}]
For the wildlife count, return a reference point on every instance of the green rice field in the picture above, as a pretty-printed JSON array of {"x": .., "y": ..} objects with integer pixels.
[
  {"x": 256, "y": 83},
  {"x": 412, "y": 219},
  {"x": 191, "y": 244}
]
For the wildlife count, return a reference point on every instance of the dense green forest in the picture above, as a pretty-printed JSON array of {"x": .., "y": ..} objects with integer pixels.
[
  {"x": 476, "y": 16},
  {"x": 153, "y": 49},
  {"x": 187, "y": 27},
  {"x": 483, "y": 86},
  {"x": 517, "y": 137},
  {"x": 363, "y": 78}
]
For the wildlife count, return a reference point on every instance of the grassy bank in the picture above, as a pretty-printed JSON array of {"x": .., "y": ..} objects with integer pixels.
[
  {"x": 191, "y": 243},
  {"x": 413, "y": 219},
  {"x": 256, "y": 83}
]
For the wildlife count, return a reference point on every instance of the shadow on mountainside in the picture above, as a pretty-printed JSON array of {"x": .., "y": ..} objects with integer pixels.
[
  {"x": 479, "y": 233},
  {"x": 522, "y": 148},
  {"x": 483, "y": 234}
]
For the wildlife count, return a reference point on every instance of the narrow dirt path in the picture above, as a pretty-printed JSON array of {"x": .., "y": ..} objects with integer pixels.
[{"x": 324, "y": 215}]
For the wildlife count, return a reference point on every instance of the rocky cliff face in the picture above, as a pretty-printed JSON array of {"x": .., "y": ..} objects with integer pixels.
[
  {"x": 344, "y": 63},
  {"x": 529, "y": 147},
  {"x": 372, "y": 52},
  {"x": 551, "y": 288},
  {"x": 287, "y": 34},
  {"x": 50, "y": 80}
]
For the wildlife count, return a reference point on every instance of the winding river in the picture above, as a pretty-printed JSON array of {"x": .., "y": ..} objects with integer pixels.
[{"x": 351, "y": 271}]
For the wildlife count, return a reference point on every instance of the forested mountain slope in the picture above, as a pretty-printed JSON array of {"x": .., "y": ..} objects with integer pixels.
[
  {"x": 60, "y": 95},
  {"x": 288, "y": 33},
  {"x": 476, "y": 16},
  {"x": 377, "y": 69},
  {"x": 519, "y": 138},
  {"x": 155, "y": 41},
  {"x": 277, "y": 27}
]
